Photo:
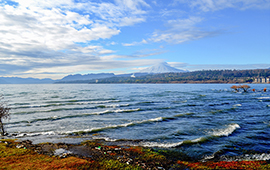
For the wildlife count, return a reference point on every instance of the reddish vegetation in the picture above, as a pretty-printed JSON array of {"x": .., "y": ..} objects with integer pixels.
[
  {"x": 25, "y": 155},
  {"x": 243, "y": 87}
]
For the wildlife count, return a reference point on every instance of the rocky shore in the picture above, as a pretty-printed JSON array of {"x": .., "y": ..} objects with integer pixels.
[{"x": 95, "y": 154}]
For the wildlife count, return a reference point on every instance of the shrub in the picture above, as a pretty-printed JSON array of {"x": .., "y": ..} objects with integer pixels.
[{"x": 4, "y": 114}]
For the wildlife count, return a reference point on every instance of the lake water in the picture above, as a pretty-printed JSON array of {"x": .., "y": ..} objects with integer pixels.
[{"x": 199, "y": 120}]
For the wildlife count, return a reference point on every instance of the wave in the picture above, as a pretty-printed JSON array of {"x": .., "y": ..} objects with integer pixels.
[
  {"x": 54, "y": 118},
  {"x": 218, "y": 133},
  {"x": 227, "y": 131},
  {"x": 92, "y": 130},
  {"x": 237, "y": 105},
  {"x": 262, "y": 98},
  {"x": 49, "y": 133},
  {"x": 116, "y": 111},
  {"x": 248, "y": 157},
  {"x": 64, "y": 103},
  {"x": 160, "y": 145},
  {"x": 173, "y": 145},
  {"x": 85, "y": 131}
]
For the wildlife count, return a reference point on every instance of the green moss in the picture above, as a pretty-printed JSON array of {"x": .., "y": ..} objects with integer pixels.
[
  {"x": 114, "y": 164},
  {"x": 148, "y": 154}
]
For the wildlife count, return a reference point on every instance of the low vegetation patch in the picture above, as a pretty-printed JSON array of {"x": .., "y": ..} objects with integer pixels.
[{"x": 95, "y": 155}]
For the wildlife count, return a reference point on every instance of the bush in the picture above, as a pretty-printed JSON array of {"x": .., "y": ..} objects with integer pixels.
[{"x": 4, "y": 114}]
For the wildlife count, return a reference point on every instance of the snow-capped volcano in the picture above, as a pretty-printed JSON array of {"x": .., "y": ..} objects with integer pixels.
[{"x": 163, "y": 67}]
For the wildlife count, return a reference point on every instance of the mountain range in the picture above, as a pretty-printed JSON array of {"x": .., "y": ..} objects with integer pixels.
[
  {"x": 158, "y": 68},
  {"x": 18, "y": 80}
]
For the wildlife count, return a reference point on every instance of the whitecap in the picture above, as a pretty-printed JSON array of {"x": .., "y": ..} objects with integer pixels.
[
  {"x": 260, "y": 98},
  {"x": 172, "y": 145},
  {"x": 114, "y": 126},
  {"x": 227, "y": 131},
  {"x": 249, "y": 157},
  {"x": 197, "y": 140},
  {"x": 49, "y": 133},
  {"x": 237, "y": 105},
  {"x": 126, "y": 110},
  {"x": 158, "y": 119},
  {"x": 160, "y": 145}
]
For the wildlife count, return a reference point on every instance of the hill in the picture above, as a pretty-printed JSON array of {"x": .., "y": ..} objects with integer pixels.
[
  {"x": 19, "y": 80},
  {"x": 205, "y": 76}
]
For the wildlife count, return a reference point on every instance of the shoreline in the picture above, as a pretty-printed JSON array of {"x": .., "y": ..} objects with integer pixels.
[{"x": 96, "y": 154}]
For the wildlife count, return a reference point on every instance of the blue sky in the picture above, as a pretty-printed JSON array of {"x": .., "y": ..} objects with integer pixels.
[{"x": 51, "y": 39}]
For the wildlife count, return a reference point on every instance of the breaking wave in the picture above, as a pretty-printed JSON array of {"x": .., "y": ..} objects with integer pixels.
[
  {"x": 227, "y": 131},
  {"x": 113, "y": 126}
]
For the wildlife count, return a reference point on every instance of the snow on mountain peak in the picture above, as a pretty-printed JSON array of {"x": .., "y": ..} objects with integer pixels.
[{"x": 163, "y": 67}]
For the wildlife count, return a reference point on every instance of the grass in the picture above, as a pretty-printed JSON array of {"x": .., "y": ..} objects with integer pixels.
[
  {"x": 13, "y": 158},
  {"x": 20, "y": 158}
]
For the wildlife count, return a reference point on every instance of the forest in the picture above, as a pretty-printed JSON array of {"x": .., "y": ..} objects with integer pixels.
[{"x": 204, "y": 76}]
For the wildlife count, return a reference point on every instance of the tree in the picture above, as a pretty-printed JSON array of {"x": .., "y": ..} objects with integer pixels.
[
  {"x": 4, "y": 114},
  {"x": 236, "y": 88},
  {"x": 244, "y": 87}
]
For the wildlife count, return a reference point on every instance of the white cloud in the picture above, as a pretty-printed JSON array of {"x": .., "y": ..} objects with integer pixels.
[
  {"x": 37, "y": 36},
  {"x": 178, "y": 64},
  {"x": 192, "y": 67},
  {"x": 95, "y": 65},
  {"x": 213, "y": 5},
  {"x": 135, "y": 43},
  {"x": 133, "y": 5},
  {"x": 182, "y": 30}
]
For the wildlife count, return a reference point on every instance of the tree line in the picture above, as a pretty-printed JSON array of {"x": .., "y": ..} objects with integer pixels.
[{"x": 204, "y": 76}]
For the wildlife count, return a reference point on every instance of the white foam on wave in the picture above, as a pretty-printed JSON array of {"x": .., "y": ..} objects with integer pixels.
[
  {"x": 114, "y": 126},
  {"x": 237, "y": 105},
  {"x": 158, "y": 119},
  {"x": 261, "y": 98},
  {"x": 261, "y": 157},
  {"x": 102, "y": 102},
  {"x": 50, "y": 133},
  {"x": 172, "y": 145},
  {"x": 197, "y": 140},
  {"x": 227, "y": 131},
  {"x": 160, "y": 145},
  {"x": 101, "y": 113},
  {"x": 249, "y": 157},
  {"x": 116, "y": 111},
  {"x": 105, "y": 138},
  {"x": 126, "y": 110}
]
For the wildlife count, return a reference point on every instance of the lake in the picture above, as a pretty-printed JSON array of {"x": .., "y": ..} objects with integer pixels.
[{"x": 200, "y": 120}]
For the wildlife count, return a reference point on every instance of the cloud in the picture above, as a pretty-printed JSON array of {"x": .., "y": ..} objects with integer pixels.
[
  {"x": 135, "y": 43},
  {"x": 37, "y": 36},
  {"x": 178, "y": 64},
  {"x": 95, "y": 65},
  {"x": 122, "y": 13},
  {"x": 192, "y": 67},
  {"x": 182, "y": 30},
  {"x": 214, "y": 5}
]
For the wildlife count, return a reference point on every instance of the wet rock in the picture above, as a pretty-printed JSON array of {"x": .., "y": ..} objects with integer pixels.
[{"x": 62, "y": 153}]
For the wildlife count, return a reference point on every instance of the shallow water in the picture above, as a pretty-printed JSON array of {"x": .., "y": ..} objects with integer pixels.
[{"x": 198, "y": 120}]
